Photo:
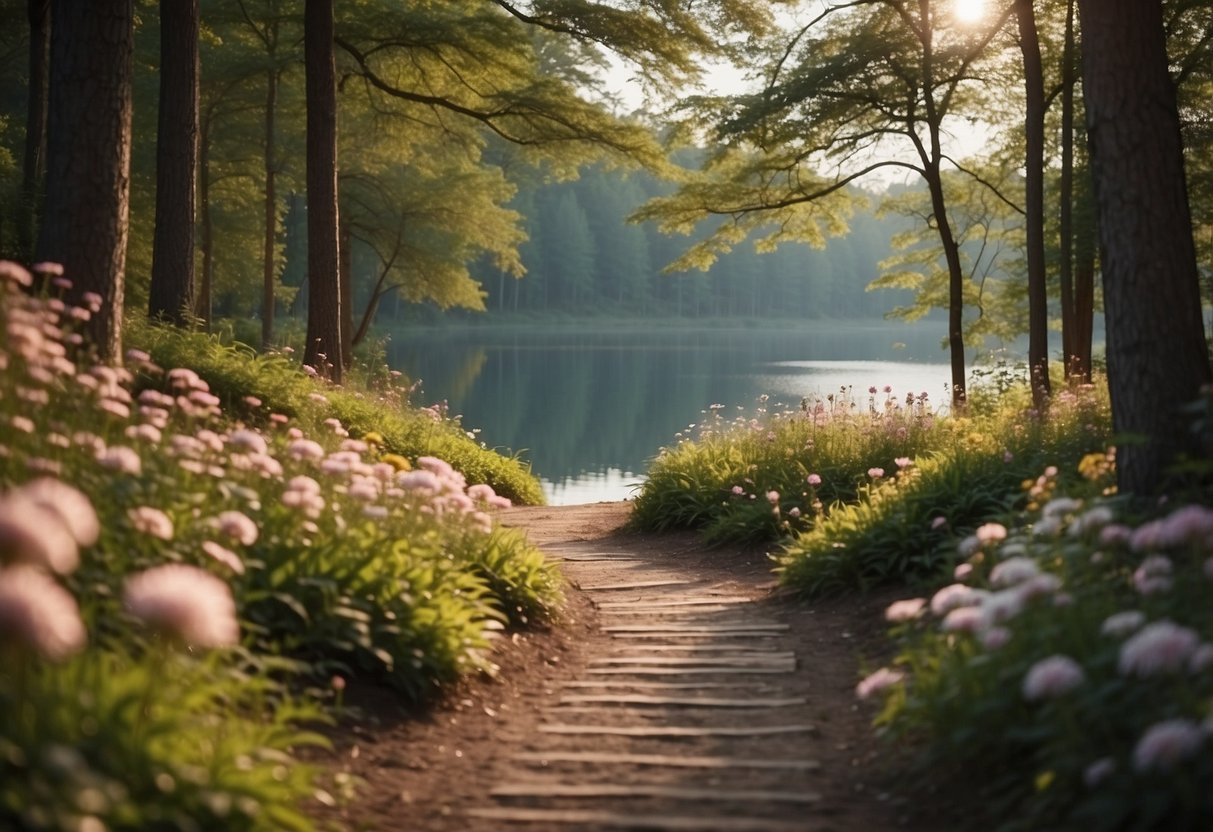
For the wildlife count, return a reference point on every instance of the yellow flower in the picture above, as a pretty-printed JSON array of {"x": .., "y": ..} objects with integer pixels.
[
  {"x": 397, "y": 461},
  {"x": 373, "y": 438}
]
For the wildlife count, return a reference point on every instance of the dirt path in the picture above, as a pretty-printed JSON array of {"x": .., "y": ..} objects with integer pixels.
[{"x": 679, "y": 692}]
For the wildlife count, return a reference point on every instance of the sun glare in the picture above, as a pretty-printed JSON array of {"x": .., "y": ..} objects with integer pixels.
[{"x": 969, "y": 11}]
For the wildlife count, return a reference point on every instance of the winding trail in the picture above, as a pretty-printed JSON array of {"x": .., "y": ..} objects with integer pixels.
[{"x": 679, "y": 691}]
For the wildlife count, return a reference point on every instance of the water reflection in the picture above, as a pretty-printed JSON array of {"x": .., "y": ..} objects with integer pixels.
[{"x": 589, "y": 409}]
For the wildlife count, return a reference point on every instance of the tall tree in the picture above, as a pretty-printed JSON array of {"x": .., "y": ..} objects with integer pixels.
[
  {"x": 862, "y": 87},
  {"x": 171, "y": 295},
  {"x": 323, "y": 349},
  {"x": 84, "y": 226},
  {"x": 39, "y": 13},
  {"x": 1034, "y": 202},
  {"x": 1157, "y": 354}
]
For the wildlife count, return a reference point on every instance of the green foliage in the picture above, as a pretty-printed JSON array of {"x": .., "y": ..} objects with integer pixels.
[
  {"x": 235, "y": 372},
  {"x": 154, "y": 612},
  {"x": 1076, "y": 654}
]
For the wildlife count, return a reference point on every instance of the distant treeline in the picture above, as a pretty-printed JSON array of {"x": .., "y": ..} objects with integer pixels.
[{"x": 583, "y": 258}]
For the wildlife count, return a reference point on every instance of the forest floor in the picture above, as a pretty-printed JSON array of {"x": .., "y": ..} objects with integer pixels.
[{"x": 679, "y": 690}]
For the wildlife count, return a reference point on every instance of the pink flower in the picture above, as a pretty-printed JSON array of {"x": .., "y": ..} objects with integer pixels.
[
  {"x": 877, "y": 682},
  {"x": 1160, "y": 647},
  {"x": 773, "y": 497},
  {"x": 903, "y": 462},
  {"x": 419, "y": 481},
  {"x": 1098, "y": 771},
  {"x": 151, "y": 521},
  {"x": 224, "y": 555},
  {"x": 38, "y": 614},
  {"x": 15, "y": 273},
  {"x": 37, "y": 536},
  {"x": 184, "y": 603},
  {"x": 963, "y": 620},
  {"x": 236, "y": 526},
  {"x": 1201, "y": 659},
  {"x": 1052, "y": 677},
  {"x": 906, "y": 610},
  {"x": 121, "y": 459},
  {"x": 814, "y": 480},
  {"x": 70, "y": 504},
  {"x": 248, "y": 441},
  {"x": 991, "y": 533},
  {"x": 305, "y": 449},
  {"x": 1166, "y": 744},
  {"x": 953, "y": 596},
  {"x": 939, "y": 523},
  {"x": 875, "y": 473},
  {"x": 995, "y": 637},
  {"x": 481, "y": 492}
]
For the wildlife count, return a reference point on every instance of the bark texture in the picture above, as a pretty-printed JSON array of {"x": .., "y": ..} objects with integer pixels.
[
  {"x": 1157, "y": 358},
  {"x": 88, "y": 157},
  {"x": 34, "y": 164},
  {"x": 323, "y": 351},
  {"x": 172, "y": 290}
]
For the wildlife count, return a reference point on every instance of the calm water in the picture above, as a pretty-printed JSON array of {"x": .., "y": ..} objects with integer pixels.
[{"x": 590, "y": 409}]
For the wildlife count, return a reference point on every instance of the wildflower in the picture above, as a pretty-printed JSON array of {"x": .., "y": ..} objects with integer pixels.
[
  {"x": 939, "y": 523},
  {"x": 305, "y": 449},
  {"x": 962, "y": 571},
  {"x": 122, "y": 459},
  {"x": 1014, "y": 571},
  {"x": 903, "y": 462},
  {"x": 151, "y": 521},
  {"x": 1188, "y": 525},
  {"x": 963, "y": 620},
  {"x": 1061, "y": 506},
  {"x": 1160, "y": 647},
  {"x": 365, "y": 490},
  {"x": 814, "y": 480},
  {"x": 906, "y": 610},
  {"x": 1122, "y": 623},
  {"x": 38, "y": 614},
  {"x": 773, "y": 497},
  {"x": 1002, "y": 606},
  {"x": 252, "y": 401},
  {"x": 953, "y": 596},
  {"x": 995, "y": 638},
  {"x": 794, "y": 512},
  {"x": 22, "y": 423},
  {"x": 1052, "y": 677},
  {"x": 1165, "y": 744},
  {"x": 185, "y": 603},
  {"x": 69, "y": 504},
  {"x": 183, "y": 378},
  {"x": 1115, "y": 534},
  {"x": 1201, "y": 659},
  {"x": 144, "y": 432},
  {"x": 224, "y": 555},
  {"x": 877, "y": 682},
  {"x": 1098, "y": 771},
  {"x": 419, "y": 481},
  {"x": 248, "y": 441},
  {"x": 991, "y": 533},
  {"x": 375, "y": 512},
  {"x": 875, "y": 473},
  {"x": 1094, "y": 518},
  {"x": 236, "y": 526},
  {"x": 1153, "y": 575},
  {"x": 15, "y": 273},
  {"x": 34, "y": 535}
]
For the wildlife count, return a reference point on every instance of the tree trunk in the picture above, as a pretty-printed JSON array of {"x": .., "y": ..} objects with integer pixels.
[
  {"x": 1065, "y": 198},
  {"x": 1085, "y": 233},
  {"x": 172, "y": 289},
  {"x": 956, "y": 281},
  {"x": 1157, "y": 358},
  {"x": 323, "y": 349},
  {"x": 269, "y": 261},
  {"x": 1034, "y": 216},
  {"x": 35, "y": 126},
  {"x": 88, "y": 158},
  {"x": 202, "y": 303},
  {"x": 346, "y": 286}
]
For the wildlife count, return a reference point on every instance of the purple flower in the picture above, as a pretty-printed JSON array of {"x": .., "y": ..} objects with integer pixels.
[
  {"x": 1166, "y": 744},
  {"x": 1160, "y": 647},
  {"x": 814, "y": 480},
  {"x": 184, "y": 603}
]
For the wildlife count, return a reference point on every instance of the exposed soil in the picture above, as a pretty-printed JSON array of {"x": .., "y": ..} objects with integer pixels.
[{"x": 424, "y": 770}]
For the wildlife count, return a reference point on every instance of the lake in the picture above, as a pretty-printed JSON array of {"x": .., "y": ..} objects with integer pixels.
[{"x": 589, "y": 409}]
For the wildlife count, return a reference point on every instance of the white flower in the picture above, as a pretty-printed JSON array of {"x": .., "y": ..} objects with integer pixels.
[
  {"x": 39, "y": 614},
  {"x": 184, "y": 602},
  {"x": 1052, "y": 677},
  {"x": 1014, "y": 571},
  {"x": 1166, "y": 744},
  {"x": 1122, "y": 623},
  {"x": 1160, "y": 647}
]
